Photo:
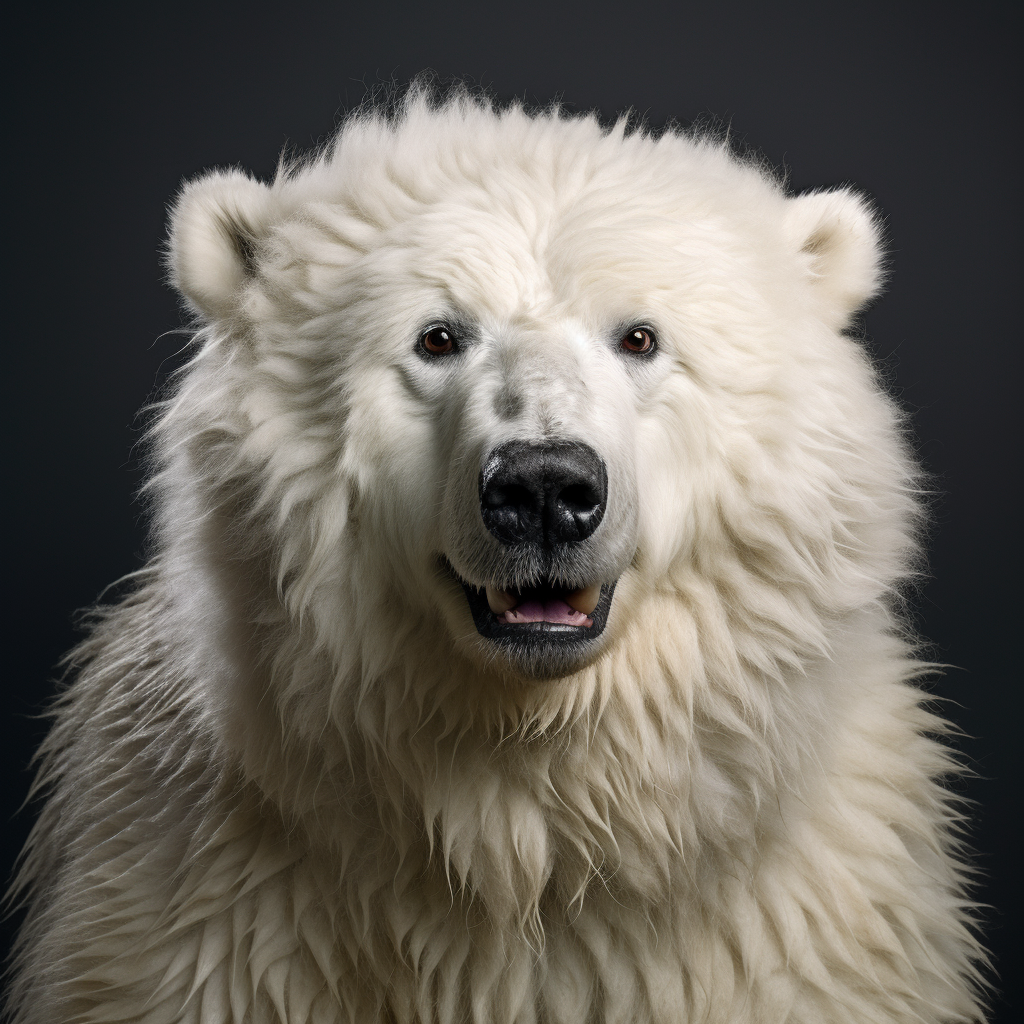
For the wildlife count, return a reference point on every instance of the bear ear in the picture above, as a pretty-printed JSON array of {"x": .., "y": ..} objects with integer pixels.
[
  {"x": 216, "y": 225},
  {"x": 838, "y": 238}
]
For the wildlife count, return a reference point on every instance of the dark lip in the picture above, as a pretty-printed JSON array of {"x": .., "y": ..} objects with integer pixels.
[{"x": 538, "y": 643}]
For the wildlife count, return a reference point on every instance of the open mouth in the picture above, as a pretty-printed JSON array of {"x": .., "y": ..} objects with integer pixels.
[
  {"x": 549, "y": 626},
  {"x": 536, "y": 605}
]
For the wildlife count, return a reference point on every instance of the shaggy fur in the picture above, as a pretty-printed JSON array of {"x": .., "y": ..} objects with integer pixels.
[{"x": 290, "y": 782}]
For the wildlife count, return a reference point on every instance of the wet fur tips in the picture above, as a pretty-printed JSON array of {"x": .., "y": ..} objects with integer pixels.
[{"x": 520, "y": 643}]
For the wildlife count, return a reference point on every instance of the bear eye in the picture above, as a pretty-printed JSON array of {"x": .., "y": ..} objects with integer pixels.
[
  {"x": 638, "y": 340},
  {"x": 438, "y": 341}
]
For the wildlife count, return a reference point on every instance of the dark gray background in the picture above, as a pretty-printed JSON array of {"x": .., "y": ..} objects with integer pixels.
[{"x": 914, "y": 103}]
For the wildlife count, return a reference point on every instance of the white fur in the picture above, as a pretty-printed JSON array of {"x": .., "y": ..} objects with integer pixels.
[{"x": 291, "y": 783}]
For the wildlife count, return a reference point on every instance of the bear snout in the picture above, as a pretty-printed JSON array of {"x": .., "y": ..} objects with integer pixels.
[{"x": 543, "y": 494}]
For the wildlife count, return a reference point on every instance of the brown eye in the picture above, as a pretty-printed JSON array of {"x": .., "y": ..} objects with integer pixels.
[
  {"x": 639, "y": 340},
  {"x": 438, "y": 341}
]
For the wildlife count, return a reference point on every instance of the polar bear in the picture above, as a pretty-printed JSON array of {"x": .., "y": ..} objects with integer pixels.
[{"x": 521, "y": 641}]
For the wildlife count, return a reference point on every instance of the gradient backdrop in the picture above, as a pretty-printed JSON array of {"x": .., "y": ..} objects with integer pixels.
[{"x": 915, "y": 104}]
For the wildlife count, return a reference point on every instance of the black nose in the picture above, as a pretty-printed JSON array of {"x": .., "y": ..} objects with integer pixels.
[{"x": 544, "y": 493}]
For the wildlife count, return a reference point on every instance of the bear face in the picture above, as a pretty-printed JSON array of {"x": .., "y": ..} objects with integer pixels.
[{"x": 731, "y": 447}]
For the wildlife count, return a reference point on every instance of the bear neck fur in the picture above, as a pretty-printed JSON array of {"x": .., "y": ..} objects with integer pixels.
[{"x": 458, "y": 867}]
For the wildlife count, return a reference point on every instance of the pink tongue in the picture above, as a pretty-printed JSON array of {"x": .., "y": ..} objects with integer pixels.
[{"x": 554, "y": 610}]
